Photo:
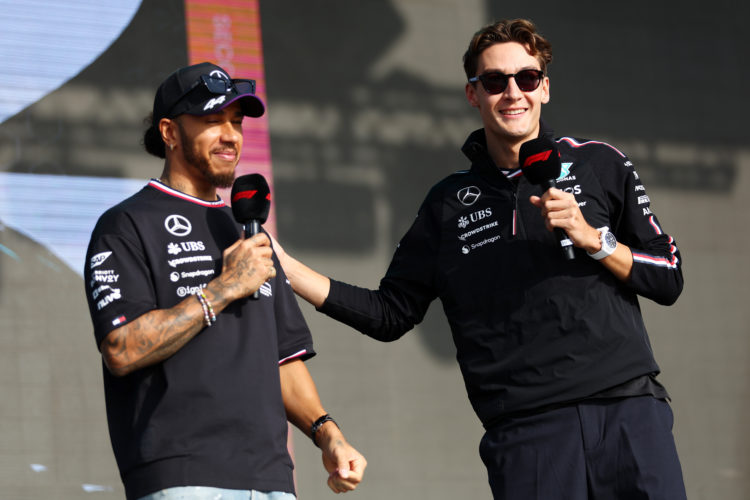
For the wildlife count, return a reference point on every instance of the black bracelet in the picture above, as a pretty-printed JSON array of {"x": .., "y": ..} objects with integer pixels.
[{"x": 318, "y": 424}]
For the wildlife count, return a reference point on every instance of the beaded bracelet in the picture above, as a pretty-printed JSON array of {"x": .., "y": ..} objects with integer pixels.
[
  {"x": 210, "y": 309},
  {"x": 204, "y": 306}
]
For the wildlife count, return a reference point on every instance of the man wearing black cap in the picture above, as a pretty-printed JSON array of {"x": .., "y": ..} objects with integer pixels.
[{"x": 199, "y": 379}]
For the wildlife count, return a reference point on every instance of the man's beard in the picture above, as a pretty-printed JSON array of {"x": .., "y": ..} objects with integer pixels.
[{"x": 191, "y": 158}]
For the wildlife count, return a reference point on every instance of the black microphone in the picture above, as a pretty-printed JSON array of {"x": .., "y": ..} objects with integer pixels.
[
  {"x": 540, "y": 162},
  {"x": 251, "y": 201}
]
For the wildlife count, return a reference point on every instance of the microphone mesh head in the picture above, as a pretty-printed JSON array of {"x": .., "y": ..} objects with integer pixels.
[
  {"x": 251, "y": 198},
  {"x": 539, "y": 160}
]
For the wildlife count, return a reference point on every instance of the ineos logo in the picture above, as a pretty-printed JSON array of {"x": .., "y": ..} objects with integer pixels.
[
  {"x": 178, "y": 225},
  {"x": 469, "y": 195}
]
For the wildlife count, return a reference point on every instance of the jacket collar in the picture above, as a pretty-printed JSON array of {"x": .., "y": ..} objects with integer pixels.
[{"x": 475, "y": 149}]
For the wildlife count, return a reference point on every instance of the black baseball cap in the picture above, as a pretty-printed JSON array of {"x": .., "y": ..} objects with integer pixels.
[{"x": 202, "y": 89}]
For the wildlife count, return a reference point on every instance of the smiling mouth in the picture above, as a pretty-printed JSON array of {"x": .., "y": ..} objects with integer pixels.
[
  {"x": 229, "y": 155},
  {"x": 512, "y": 112}
]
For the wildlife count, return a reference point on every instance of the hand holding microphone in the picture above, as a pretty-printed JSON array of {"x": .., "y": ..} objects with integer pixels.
[
  {"x": 251, "y": 202},
  {"x": 540, "y": 162}
]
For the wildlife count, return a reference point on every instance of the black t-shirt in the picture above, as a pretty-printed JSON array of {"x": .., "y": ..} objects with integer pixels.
[{"x": 212, "y": 414}]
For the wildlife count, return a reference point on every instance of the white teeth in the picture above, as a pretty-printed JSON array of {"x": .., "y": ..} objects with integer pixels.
[{"x": 512, "y": 111}]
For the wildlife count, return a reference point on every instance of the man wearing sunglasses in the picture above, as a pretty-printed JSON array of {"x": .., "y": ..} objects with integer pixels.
[
  {"x": 200, "y": 380},
  {"x": 554, "y": 353}
]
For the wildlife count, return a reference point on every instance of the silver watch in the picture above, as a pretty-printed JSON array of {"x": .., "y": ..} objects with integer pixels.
[{"x": 609, "y": 243}]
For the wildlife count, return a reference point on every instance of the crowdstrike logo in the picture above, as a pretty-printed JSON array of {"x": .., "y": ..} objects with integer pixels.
[
  {"x": 178, "y": 225},
  {"x": 478, "y": 230},
  {"x": 469, "y": 195}
]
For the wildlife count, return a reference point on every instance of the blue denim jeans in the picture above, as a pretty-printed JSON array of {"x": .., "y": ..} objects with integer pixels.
[{"x": 208, "y": 493}]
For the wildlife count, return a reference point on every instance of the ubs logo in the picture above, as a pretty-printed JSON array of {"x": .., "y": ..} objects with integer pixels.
[
  {"x": 178, "y": 225},
  {"x": 469, "y": 195}
]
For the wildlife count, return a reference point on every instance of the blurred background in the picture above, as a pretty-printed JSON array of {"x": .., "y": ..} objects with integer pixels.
[{"x": 365, "y": 112}]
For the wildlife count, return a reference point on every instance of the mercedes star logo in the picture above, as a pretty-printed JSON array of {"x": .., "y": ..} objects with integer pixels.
[
  {"x": 178, "y": 225},
  {"x": 469, "y": 195},
  {"x": 218, "y": 74}
]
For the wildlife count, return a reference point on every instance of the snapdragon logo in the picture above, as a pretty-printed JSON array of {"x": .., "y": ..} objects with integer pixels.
[{"x": 465, "y": 249}]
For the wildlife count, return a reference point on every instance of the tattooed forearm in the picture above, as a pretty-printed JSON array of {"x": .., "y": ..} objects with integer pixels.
[
  {"x": 152, "y": 338},
  {"x": 158, "y": 334}
]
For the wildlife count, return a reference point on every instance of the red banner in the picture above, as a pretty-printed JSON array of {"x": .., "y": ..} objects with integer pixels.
[{"x": 227, "y": 33}]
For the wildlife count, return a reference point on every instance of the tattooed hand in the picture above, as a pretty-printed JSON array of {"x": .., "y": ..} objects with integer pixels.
[{"x": 247, "y": 264}]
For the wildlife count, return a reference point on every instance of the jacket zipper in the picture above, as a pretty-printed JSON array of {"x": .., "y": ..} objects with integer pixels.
[{"x": 515, "y": 212}]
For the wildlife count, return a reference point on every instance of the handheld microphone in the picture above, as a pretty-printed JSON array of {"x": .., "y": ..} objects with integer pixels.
[
  {"x": 251, "y": 202},
  {"x": 540, "y": 162}
]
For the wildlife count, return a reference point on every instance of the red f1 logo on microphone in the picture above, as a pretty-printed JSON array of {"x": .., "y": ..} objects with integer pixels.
[
  {"x": 243, "y": 194},
  {"x": 537, "y": 157}
]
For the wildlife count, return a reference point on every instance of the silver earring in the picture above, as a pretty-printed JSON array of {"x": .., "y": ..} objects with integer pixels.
[{"x": 171, "y": 147}]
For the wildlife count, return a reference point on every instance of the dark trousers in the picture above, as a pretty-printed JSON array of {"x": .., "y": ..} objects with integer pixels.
[{"x": 606, "y": 449}]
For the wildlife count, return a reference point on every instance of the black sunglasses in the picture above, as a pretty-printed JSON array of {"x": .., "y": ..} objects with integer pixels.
[
  {"x": 217, "y": 85},
  {"x": 494, "y": 82}
]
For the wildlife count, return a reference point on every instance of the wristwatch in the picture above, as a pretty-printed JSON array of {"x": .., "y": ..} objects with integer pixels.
[{"x": 609, "y": 243}]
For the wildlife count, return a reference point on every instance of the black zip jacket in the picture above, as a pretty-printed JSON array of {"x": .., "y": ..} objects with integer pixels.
[{"x": 531, "y": 329}]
